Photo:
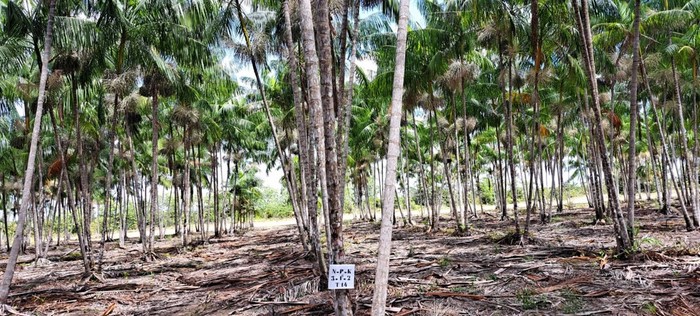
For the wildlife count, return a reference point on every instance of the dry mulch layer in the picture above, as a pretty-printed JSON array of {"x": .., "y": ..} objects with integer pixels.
[{"x": 566, "y": 267}]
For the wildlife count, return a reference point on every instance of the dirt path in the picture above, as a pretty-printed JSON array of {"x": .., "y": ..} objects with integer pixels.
[{"x": 281, "y": 222}]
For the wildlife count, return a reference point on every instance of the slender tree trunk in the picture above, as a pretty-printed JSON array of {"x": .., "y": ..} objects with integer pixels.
[
  {"x": 35, "y": 222},
  {"x": 511, "y": 159},
  {"x": 500, "y": 174},
  {"x": 315, "y": 105},
  {"x": 154, "y": 170},
  {"x": 4, "y": 211},
  {"x": 435, "y": 223},
  {"x": 334, "y": 216},
  {"x": 71, "y": 201},
  {"x": 473, "y": 180},
  {"x": 534, "y": 27},
  {"x": 4, "y": 216},
  {"x": 393, "y": 151},
  {"x": 233, "y": 199},
  {"x": 347, "y": 112},
  {"x": 696, "y": 147},
  {"x": 215, "y": 188},
  {"x": 184, "y": 238},
  {"x": 560, "y": 161},
  {"x": 622, "y": 237},
  {"x": 448, "y": 178},
  {"x": 123, "y": 209},
  {"x": 653, "y": 155},
  {"x": 632, "y": 151},
  {"x": 684, "y": 145},
  {"x": 421, "y": 165},
  {"x": 300, "y": 119},
  {"x": 138, "y": 207},
  {"x": 666, "y": 159},
  {"x": 33, "y": 148},
  {"x": 466, "y": 169},
  {"x": 407, "y": 186},
  {"x": 85, "y": 195},
  {"x": 200, "y": 199}
]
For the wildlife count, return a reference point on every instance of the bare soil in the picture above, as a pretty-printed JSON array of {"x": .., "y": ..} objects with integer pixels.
[{"x": 567, "y": 267}]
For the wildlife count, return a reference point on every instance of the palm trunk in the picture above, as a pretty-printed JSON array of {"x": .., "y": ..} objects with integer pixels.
[
  {"x": 84, "y": 189},
  {"x": 4, "y": 211},
  {"x": 123, "y": 209},
  {"x": 393, "y": 151},
  {"x": 696, "y": 144},
  {"x": 500, "y": 174},
  {"x": 435, "y": 223},
  {"x": 684, "y": 145},
  {"x": 334, "y": 218},
  {"x": 666, "y": 159},
  {"x": 233, "y": 199},
  {"x": 35, "y": 220},
  {"x": 300, "y": 119},
  {"x": 653, "y": 155},
  {"x": 347, "y": 112},
  {"x": 138, "y": 207},
  {"x": 560, "y": 162},
  {"x": 154, "y": 170},
  {"x": 448, "y": 178},
  {"x": 200, "y": 198},
  {"x": 33, "y": 148},
  {"x": 421, "y": 169},
  {"x": 473, "y": 181},
  {"x": 407, "y": 186},
  {"x": 215, "y": 188},
  {"x": 184, "y": 237},
  {"x": 510, "y": 154},
  {"x": 71, "y": 201},
  {"x": 110, "y": 165},
  {"x": 595, "y": 169},
  {"x": 632, "y": 151},
  {"x": 315, "y": 107},
  {"x": 622, "y": 237}
]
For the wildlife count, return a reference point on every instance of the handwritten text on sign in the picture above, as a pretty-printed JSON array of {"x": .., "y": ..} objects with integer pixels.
[{"x": 341, "y": 276}]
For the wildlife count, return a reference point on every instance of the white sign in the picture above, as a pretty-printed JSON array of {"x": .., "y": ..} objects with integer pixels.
[{"x": 341, "y": 276}]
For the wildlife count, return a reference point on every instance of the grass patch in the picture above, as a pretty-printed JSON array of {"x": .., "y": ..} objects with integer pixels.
[
  {"x": 649, "y": 308},
  {"x": 529, "y": 299},
  {"x": 444, "y": 262},
  {"x": 572, "y": 303}
]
